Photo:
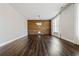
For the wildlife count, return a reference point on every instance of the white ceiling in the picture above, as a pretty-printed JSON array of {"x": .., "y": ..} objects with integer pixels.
[{"x": 32, "y": 10}]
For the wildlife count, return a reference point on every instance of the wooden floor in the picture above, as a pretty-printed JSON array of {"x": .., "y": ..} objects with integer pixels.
[{"x": 40, "y": 45}]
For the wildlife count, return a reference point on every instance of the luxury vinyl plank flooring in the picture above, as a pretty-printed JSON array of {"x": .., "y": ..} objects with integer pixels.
[{"x": 40, "y": 45}]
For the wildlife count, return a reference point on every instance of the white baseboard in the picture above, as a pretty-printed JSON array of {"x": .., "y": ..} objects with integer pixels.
[
  {"x": 5, "y": 43},
  {"x": 73, "y": 41}
]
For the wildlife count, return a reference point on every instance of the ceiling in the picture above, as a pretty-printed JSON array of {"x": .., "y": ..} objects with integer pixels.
[{"x": 33, "y": 10}]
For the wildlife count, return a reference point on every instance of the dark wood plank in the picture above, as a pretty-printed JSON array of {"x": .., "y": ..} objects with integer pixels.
[{"x": 40, "y": 45}]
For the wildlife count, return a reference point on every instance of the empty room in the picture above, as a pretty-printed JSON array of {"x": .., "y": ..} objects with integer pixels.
[{"x": 39, "y": 29}]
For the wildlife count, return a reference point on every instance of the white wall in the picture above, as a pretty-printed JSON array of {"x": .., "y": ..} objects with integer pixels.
[
  {"x": 67, "y": 23},
  {"x": 76, "y": 23},
  {"x": 11, "y": 24}
]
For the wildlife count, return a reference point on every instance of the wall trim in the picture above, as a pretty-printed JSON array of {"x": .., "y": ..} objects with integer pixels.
[
  {"x": 10, "y": 41},
  {"x": 74, "y": 42}
]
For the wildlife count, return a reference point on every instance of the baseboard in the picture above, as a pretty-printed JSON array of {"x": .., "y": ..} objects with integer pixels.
[
  {"x": 74, "y": 42},
  {"x": 10, "y": 41}
]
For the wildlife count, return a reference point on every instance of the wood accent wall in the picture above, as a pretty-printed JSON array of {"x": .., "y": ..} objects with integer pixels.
[{"x": 33, "y": 28}]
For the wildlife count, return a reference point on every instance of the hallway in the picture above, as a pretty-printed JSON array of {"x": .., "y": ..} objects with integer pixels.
[{"x": 40, "y": 45}]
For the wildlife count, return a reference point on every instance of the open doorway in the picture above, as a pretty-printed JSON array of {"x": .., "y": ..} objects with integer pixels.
[{"x": 56, "y": 26}]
